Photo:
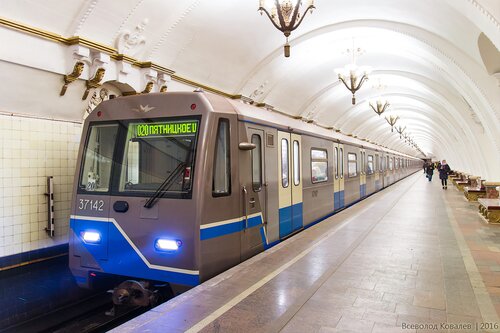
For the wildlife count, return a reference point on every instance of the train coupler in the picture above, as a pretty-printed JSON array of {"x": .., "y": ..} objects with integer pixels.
[{"x": 134, "y": 293}]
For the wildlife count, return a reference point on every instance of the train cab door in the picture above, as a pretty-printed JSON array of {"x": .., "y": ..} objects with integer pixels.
[
  {"x": 362, "y": 173},
  {"x": 253, "y": 180},
  {"x": 376, "y": 174},
  {"x": 290, "y": 183}
]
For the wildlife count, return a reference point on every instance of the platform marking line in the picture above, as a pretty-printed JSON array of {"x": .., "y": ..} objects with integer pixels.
[
  {"x": 237, "y": 299},
  {"x": 483, "y": 299}
]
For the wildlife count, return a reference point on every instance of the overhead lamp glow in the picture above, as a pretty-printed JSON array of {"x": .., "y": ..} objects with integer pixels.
[
  {"x": 92, "y": 237},
  {"x": 167, "y": 244},
  {"x": 351, "y": 75}
]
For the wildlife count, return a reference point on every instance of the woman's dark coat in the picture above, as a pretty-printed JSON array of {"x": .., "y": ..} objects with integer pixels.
[{"x": 444, "y": 171}]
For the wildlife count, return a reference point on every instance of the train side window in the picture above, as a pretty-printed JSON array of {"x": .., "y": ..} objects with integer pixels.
[
  {"x": 319, "y": 165},
  {"x": 257, "y": 163},
  {"x": 296, "y": 163},
  {"x": 370, "y": 165},
  {"x": 352, "y": 165},
  {"x": 341, "y": 162},
  {"x": 336, "y": 161},
  {"x": 221, "y": 185},
  {"x": 391, "y": 163},
  {"x": 284, "y": 162}
]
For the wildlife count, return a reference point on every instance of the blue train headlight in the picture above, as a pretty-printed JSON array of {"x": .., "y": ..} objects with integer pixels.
[
  {"x": 167, "y": 245},
  {"x": 91, "y": 237}
]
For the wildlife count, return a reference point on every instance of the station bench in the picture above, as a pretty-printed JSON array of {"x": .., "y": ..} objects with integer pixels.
[
  {"x": 475, "y": 190},
  {"x": 457, "y": 176},
  {"x": 489, "y": 206},
  {"x": 490, "y": 209}
]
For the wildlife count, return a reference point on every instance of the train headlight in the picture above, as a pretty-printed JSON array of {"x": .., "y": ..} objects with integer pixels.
[
  {"x": 91, "y": 237},
  {"x": 167, "y": 245}
]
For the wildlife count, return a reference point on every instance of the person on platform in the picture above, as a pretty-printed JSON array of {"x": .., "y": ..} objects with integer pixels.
[
  {"x": 444, "y": 171},
  {"x": 430, "y": 171}
]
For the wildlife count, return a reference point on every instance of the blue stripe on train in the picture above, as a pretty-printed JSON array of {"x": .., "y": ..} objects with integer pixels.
[
  {"x": 229, "y": 228},
  {"x": 290, "y": 219},
  {"x": 125, "y": 260},
  {"x": 362, "y": 190}
]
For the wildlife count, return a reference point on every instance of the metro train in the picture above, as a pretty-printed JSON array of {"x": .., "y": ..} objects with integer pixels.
[{"x": 177, "y": 187}]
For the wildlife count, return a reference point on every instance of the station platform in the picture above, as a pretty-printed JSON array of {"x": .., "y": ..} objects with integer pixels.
[{"x": 412, "y": 258}]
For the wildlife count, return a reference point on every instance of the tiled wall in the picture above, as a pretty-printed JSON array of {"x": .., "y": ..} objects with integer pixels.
[{"x": 30, "y": 151}]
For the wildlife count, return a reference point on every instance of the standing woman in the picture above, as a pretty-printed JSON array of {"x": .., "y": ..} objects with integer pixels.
[{"x": 444, "y": 170}]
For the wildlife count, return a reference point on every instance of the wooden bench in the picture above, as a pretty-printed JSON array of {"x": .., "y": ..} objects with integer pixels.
[
  {"x": 490, "y": 209},
  {"x": 473, "y": 194},
  {"x": 460, "y": 184},
  {"x": 457, "y": 176},
  {"x": 475, "y": 190}
]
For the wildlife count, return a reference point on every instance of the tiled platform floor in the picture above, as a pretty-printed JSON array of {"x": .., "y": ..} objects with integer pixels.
[{"x": 413, "y": 254}]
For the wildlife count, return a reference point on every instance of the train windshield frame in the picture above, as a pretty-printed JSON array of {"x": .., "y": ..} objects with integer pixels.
[{"x": 146, "y": 153}]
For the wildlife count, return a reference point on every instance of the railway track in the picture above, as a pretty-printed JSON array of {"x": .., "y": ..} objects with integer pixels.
[{"x": 87, "y": 315}]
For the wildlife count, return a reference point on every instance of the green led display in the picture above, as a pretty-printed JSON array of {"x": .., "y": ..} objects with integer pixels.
[{"x": 166, "y": 129}]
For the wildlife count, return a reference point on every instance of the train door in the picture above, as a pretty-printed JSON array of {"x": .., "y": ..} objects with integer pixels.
[
  {"x": 290, "y": 183},
  {"x": 376, "y": 173},
  {"x": 341, "y": 176},
  {"x": 362, "y": 173},
  {"x": 338, "y": 179},
  {"x": 254, "y": 195}
]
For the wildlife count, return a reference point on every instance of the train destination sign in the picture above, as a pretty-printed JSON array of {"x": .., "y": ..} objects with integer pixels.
[{"x": 166, "y": 128}]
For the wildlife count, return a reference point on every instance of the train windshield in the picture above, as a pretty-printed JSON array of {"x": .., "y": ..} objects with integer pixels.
[{"x": 155, "y": 152}]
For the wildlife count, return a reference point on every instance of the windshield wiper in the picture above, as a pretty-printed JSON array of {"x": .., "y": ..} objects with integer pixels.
[{"x": 165, "y": 185}]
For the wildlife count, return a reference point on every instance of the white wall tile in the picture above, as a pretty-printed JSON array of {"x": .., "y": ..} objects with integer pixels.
[{"x": 30, "y": 151}]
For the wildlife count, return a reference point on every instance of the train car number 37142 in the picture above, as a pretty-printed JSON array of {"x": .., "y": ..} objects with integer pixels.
[{"x": 87, "y": 204}]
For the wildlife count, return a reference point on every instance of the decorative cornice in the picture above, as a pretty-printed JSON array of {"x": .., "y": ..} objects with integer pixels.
[
  {"x": 204, "y": 87},
  {"x": 149, "y": 64},
  {"x": 123, "y": 57},
  {"x": 76, "y": 40},
  {"x": 32, "y": 31}
]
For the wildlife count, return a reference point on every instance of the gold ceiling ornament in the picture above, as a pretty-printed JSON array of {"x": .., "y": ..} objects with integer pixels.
[
  {"x": 73, "y": 76},
  {"x": 148, "y": 88},
  {"x": 94, "y": 82},
  {"x": 380, "y": 106},
  {"x": 286, "y": 15},
  {"x": 392, "y": 121},
  {"x": 351, "y": 75}
]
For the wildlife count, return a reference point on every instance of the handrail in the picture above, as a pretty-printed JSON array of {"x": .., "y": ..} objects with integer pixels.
[{"x": 245, "y": 210}]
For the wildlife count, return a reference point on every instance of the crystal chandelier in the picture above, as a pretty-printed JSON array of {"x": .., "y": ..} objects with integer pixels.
[
  {"x": 351, "y": 75},
  {"x": 286, "y": 15}
]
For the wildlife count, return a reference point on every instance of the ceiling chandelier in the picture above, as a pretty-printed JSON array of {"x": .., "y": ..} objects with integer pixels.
[
  {"x": 351, "y": 75},
  {"x": 380, "y": 106},
  {"x": 392, "y": 121},
  {"x": 286, "y": 15},
  {"x": 400, "y": 130}
]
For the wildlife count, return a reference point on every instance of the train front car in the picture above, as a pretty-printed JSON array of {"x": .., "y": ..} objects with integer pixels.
[{"x": 135, "y": 210}]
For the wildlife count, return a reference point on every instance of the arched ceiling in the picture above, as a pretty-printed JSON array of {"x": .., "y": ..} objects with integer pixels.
[{"x": 427, "y": 54}]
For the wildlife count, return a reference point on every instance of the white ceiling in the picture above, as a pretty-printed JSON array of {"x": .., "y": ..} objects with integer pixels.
[{"x": 425, "y": 52}]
